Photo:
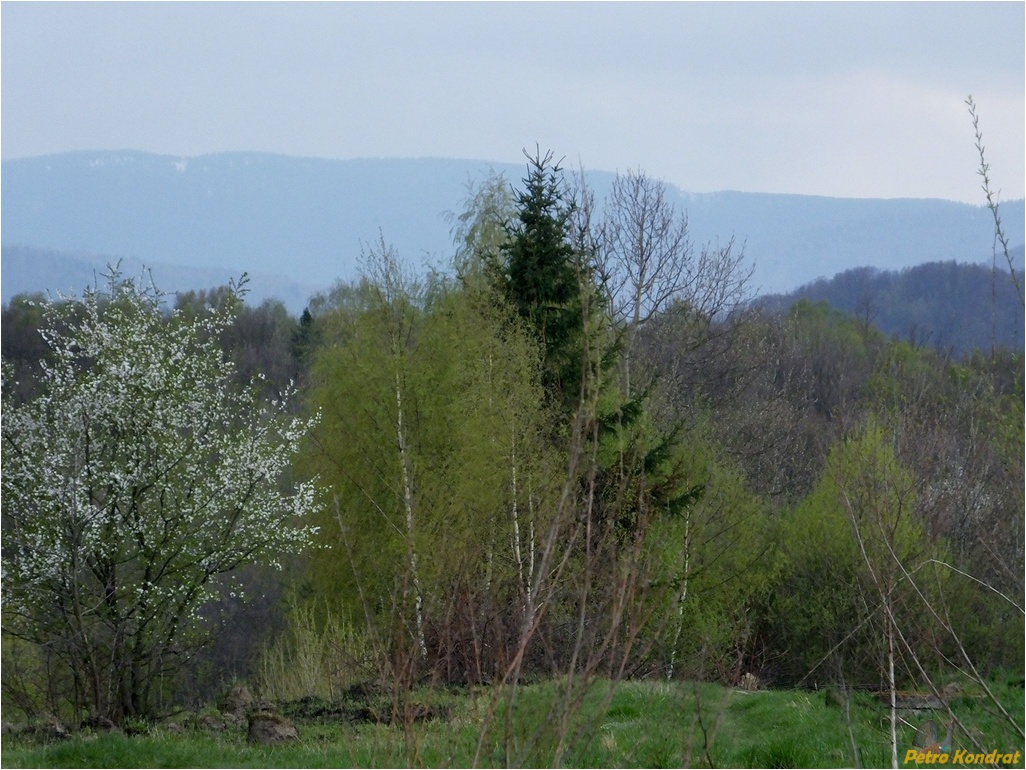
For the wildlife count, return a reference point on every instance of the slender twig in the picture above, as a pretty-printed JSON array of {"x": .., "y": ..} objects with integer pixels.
[{"x": 991, "y": 196}]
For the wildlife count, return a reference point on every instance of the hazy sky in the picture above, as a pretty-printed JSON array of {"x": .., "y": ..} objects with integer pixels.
[{"x": 845, "y": 99}]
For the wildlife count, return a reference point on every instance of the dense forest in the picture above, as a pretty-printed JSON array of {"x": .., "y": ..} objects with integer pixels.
[
  {"x": 582, "y": 451},
  {"x": 951, "y": 306}
]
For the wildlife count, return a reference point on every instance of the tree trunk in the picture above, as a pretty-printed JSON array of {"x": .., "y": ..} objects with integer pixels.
[{"x": 404, "y": 463}]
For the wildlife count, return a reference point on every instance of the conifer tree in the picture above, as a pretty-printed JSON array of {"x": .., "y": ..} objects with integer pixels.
[{"x": 542, "y": 276}]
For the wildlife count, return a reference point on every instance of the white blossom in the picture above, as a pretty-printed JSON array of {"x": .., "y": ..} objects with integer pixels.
[{"x": 136, "y": 478}]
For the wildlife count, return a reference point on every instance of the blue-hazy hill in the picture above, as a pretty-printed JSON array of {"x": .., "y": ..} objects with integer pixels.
[{"x": 297, "y": 224}]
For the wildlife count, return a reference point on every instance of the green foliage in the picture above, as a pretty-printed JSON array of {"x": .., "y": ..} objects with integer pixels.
[
  {"x": 718, "y": 555},
  {"x": 430, "y": 447},
  {"x": 480, "y": 230},
  {"x": 816, "y": 603},
  {"x": 580, "y": 454},
  {"x": 849, "y": 547}
]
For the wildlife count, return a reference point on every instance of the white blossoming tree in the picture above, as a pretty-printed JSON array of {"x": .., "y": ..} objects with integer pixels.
[{"x": 133, "y": 487}]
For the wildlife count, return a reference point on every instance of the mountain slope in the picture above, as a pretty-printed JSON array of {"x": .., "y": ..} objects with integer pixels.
[{"x": 942, "y": 304}]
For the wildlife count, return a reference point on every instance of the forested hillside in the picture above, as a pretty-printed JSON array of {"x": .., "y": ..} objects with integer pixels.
[
  {"x": 580, "y": 450},
  {"x": 946, "y": 305}
]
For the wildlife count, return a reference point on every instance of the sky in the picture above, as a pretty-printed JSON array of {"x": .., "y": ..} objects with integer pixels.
[{"x": 839, "y": 99}]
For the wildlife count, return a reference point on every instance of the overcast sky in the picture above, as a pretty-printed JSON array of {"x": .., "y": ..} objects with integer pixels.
[{"x": 842, "y": 99}]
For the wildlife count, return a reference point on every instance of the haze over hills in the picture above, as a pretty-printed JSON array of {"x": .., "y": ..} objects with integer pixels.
[
  {"x": 297, "y": 224},
  {"x": 946, "y": 305}
]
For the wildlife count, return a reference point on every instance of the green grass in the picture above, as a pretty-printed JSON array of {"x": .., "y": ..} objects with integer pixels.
[{"x": 646, "y": 724}]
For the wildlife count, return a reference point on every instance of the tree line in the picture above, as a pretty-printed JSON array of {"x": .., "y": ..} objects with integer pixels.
[
  {"x": 949, "y": 306},
  {"x": 581, "y": 451}
]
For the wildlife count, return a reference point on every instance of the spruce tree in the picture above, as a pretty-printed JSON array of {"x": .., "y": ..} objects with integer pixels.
[
  {"x": 541, "y": 276},
  {"x": 547, "y": 277}
]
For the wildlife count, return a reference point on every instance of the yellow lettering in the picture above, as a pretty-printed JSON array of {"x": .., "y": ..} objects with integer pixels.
[{"x": 910, "y": 756}]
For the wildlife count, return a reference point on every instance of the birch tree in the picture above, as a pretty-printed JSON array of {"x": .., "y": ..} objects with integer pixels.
[
  {"x": 366, "y": 448},
  {"x": 649, "y": 261},
  {"x": 431, "y": 442}
]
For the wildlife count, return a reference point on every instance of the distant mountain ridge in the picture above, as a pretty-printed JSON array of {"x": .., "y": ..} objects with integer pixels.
[
  {"x": 301, "y": 221},
  {"x": 28, "y": 270}
]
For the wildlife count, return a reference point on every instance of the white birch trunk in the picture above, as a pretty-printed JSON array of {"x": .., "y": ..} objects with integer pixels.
[
  {"x": 683, "y": 594},
  {"x": 517, "y": 552},
  {"x": 404, "y": 463}
]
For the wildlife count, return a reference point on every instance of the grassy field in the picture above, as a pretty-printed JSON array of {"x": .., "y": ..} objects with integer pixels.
[{"x": 639, "y": 724}]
